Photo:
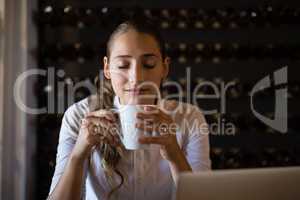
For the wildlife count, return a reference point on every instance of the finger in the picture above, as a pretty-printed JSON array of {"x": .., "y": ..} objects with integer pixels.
[
  {"x": 116, "y": 141},
  {"x": 115, "y": 131},
  {"x": 103, "y": 114},
  {"x": 116, "y": 134},
  {"x": 153, "y": 140},
  {"x": 102, "y": 125},
  {"x": 105, "y": 133},
  {"x": 150, "y": 117},
  {"x": 101, "y": 138},
  {"x": 112, "y": 134},
  {"x": 84, "y": 122},
  {"x": 158, "y": 116},
  {"x": 99, "y": 113},
  {"x": 150, "y": 108},
  {"x": 111, "y": 139},
  {"x": 145, "y": 127},
  {"x": 98, "y": 120},
  {"x": 169, "y": 106},
  {"x": 161, "y": 128}
]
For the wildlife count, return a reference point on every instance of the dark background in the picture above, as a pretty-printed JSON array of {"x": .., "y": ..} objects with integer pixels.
[{"x": 240, "y": 41}]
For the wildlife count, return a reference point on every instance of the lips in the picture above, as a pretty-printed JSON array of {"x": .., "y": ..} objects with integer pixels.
[{"x": 135, "y": 91}]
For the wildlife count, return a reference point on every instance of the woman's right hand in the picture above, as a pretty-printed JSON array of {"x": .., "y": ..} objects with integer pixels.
[{"x": 96, "y": 128}]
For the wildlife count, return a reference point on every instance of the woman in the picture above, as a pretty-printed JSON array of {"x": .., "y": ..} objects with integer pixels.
[{"x": 92, "y": 162}]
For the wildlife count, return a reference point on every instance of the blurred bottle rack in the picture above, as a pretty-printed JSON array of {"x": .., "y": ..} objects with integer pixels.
[{"x": 220, "y": 41}]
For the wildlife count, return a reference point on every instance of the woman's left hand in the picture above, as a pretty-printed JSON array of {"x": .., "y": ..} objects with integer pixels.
[{"x": 154, "y": 119}]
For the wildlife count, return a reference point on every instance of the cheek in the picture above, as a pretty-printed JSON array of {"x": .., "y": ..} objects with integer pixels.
[
  {"x": 152, "y": 83},
  {"x": 154, "y": 78},
  {"x": 118, "y": 83}
]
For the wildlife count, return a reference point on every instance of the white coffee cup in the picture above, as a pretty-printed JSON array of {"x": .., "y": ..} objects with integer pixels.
[{"x": 130, "y": 133}]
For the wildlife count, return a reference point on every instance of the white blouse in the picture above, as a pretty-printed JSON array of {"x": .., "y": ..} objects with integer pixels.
[{"x": 147, "y": 174}]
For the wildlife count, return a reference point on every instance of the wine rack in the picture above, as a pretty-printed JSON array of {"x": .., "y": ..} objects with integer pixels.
[{"x": 232, "y": 41}]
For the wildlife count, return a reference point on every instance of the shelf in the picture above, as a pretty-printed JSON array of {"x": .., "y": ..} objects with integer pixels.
[{"x": 256, "y": 140}]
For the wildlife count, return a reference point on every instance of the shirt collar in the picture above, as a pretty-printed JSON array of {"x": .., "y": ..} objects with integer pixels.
[{"x": 116, "y": 102}]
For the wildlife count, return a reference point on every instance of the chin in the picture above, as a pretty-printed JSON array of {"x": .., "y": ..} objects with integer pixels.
[{"x": 138, "y": 100}]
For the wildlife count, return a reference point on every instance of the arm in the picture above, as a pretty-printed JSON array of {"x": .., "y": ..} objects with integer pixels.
[
  {"x": 70, "y": 170},
  {"x": 197, "y": 147},
  {"x": 194, "y": 155},
  {"x": 69, "y": 175},
  {"x": 181, "y": 165},
  {"x": 70, "y": 183}
]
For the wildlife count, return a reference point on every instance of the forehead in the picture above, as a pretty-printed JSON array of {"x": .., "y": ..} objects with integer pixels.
[{"x": 134, "y": 44}]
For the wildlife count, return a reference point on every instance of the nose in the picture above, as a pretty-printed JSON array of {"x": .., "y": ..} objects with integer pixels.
[{"x": 136, "y": 75}]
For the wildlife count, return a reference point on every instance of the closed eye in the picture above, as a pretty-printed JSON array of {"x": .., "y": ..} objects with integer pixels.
[
  {"x": 123, "y": 66},
  {"x": 149, "y": 66}
]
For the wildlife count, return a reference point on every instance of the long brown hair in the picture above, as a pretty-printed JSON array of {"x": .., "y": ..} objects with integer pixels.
[{"x": 105, "y": 96}]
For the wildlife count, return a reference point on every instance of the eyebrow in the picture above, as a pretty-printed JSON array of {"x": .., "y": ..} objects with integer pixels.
[{"x": 144, "y": 55}]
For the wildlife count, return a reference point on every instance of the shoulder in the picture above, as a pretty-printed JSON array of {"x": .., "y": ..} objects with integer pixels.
[
  {"x": 78, "y": 109},
  {"x": 76, "y": 112}
]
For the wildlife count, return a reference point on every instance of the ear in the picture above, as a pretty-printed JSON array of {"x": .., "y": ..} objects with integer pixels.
[
  {"x": 106, "y": 67},
  {"x": 166, "y": 65}
]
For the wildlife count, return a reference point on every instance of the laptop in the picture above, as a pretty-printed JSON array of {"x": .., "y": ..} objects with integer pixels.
[{"x": 243, "y": 184}]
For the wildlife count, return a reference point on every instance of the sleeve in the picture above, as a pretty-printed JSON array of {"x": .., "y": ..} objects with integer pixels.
[
  {"x": 67, "y": 139},
  {"x": 197, "y": 146}
]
